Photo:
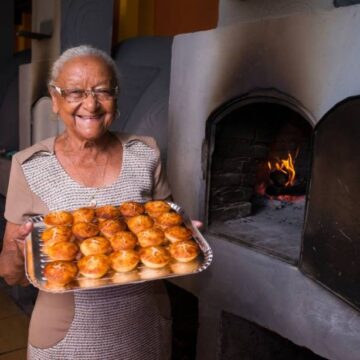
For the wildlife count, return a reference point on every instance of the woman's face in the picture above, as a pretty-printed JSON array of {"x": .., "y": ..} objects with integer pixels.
[{"x": 89, "y": 118}]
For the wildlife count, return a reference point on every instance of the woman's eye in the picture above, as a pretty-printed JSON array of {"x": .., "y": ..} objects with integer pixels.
[
  {"x": 75, "y": 92},
  {"x": 102, "y": 91}
]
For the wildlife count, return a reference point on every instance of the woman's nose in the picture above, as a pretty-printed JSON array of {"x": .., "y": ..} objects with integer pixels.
[{"x": 90, "y": 102}]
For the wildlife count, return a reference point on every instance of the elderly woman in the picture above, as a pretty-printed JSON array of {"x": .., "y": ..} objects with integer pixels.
[{"x": 87, "y": 164}]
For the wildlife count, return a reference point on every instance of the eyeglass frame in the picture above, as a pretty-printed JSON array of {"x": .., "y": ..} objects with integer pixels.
[{"x": 86, "y": 93}]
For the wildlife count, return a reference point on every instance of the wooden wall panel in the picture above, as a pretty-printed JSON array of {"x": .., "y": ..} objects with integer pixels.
[
  {"x": 181, "y": 16},
  {"x": 134, "y": 18}
]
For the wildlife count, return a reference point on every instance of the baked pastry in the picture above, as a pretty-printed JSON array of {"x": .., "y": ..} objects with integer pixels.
[
  {"x": 85, "y": 214},
  {"x": 84, "y": 230},
  {"x": 151, "y": 237},
  {"x": 154, "y": 257},
  {"x": 122, "y": 278},
  {"x": 184, "y": 251},
  {"x": 147, "y": 273},
  {"x": 56, "y": 234},
  {"x": 131, "y": 208},
  {"x": 58, "y": 218},
  {"x": 107, "y": 212},
  {"x": 60, "y": 272},
  {"x": 88, "y": 283},
  {"x": 95, "y": 246},
  {"x": 64, "y": 250},
  {"x": 169, "y": 219},
  {"x": 124, "y": 260},
  {"x": 157, "y": 207},
  {"x": 111, "y": 226},
  {"x": 178, "y": 267},
  {"x": 94, "y": 266},
  {"x": 139, "y": 223},
  {"x": 123, "y": 240},
  {"x": 177, "y": 233}
]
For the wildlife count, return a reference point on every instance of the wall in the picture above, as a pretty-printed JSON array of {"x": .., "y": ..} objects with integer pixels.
[{"x": 233, "y": 11}]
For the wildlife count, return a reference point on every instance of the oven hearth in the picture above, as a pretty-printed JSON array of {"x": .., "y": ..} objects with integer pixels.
[{"x": 275, "y": 228}]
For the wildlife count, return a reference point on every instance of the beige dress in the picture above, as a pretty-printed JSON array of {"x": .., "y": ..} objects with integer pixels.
[{"x": 128, "y": 322}]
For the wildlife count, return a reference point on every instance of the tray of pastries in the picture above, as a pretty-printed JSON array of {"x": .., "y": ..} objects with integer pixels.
[{"x": 94, "y": 247}]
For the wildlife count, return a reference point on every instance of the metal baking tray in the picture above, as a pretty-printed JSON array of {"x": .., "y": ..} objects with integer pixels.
[{"x": 35, "y": 261}]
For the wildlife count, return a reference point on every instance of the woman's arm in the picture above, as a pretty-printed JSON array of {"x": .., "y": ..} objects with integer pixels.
[{"x": 12, "y": 264}]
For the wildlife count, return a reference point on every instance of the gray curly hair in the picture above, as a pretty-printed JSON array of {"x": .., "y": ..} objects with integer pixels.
[{"x": 82, "y": 50}]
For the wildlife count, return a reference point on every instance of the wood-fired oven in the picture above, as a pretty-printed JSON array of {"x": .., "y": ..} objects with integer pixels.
[{"x": 263, "y": 144}]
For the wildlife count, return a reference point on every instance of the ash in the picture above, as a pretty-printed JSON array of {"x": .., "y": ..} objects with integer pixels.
[{"x": 274, "y": 228}]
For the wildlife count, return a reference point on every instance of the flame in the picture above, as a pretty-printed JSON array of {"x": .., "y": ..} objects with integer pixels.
[{"x": 287, "y": 167}]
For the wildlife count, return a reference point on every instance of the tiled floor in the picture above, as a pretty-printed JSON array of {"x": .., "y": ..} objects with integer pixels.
[{"x": 14, "y": 323}]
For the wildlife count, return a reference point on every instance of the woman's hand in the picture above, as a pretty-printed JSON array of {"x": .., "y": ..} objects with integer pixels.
[
  {"x": 12, "y": 264},
  {"x": 197, "y": 223}
]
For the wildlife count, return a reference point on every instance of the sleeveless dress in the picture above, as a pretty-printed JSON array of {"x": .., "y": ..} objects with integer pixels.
[{"x": 116, "y": 323}]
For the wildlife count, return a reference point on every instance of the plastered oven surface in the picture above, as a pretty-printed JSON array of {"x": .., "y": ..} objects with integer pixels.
[{"x": 312, "y": 57}]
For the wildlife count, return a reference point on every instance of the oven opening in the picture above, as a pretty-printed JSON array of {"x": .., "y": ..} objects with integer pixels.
[{"x": 258, "y": 176}]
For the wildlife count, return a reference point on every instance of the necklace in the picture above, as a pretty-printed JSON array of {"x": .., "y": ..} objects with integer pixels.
[
  {"x": 93, "y": 200},
  {"x": 85, "y": 171},
  {"x": 96, "y": 172}
]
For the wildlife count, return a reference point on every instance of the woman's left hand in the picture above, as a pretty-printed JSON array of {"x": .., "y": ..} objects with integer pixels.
[{"x": 197, "y": 223}]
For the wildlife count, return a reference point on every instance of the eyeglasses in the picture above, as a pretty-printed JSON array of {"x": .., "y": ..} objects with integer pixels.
[{"x": 78, "y": 95}]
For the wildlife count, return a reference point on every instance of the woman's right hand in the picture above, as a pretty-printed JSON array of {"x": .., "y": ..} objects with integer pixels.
[{"x": 12, "y": 263}]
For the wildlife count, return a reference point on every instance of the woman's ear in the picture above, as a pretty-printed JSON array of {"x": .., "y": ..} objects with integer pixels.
[{"x": 54, "y": 100}]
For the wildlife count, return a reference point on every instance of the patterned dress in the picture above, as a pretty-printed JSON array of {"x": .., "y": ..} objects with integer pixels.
[{"x": 117, "y": 323}]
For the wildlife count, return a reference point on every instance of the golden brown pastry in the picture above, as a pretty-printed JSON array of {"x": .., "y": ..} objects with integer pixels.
[
  {"x": 58, "y": 218},
  {"x": 154, "y": 257},
  {"x": 157, "y": 207},
  {"x": 88, "y": 283},
  {"x": 64, "y": 250},
  {"x": 123, "y": 240},
  {"x": 95, "y": 246},
  {"x": 85, "y": 230},
  {"x": 56, "y": 234},
  {"x": 122, "y": 278},
  {"x": 110, "y": 227},
  {"x": 94, "y": 266},
  {"x": 151, "y": 237},
  {"x": 107, "y": 212},
  {"x": 139, "y": 223},
  {"x": 60, "y": 272},
  {"x": 147, "y": 273},
  {"x": 124, "y": 260},
  {"x": 177, "y": 233},
  {"x": 131, "y": 208},
  {"x": 85, "y": 214},
  {"x": 184, "y": 251},
  {"x": 178, "y": 267},
  {"x": 169, "y": 219}
]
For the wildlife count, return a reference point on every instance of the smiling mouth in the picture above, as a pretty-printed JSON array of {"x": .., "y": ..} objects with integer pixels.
[{"x": 89, "y": 117}]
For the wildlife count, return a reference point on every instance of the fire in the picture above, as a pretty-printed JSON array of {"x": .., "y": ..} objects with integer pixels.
[{"x": 285, "y": 166}]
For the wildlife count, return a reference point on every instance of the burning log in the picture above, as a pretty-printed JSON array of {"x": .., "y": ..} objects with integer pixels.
[
  {"x": 299, "y": 188},
  {"x": 283, "y": 179}
]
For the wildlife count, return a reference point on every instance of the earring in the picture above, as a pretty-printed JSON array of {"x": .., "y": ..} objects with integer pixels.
[{"x": 117, "y": 113}]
